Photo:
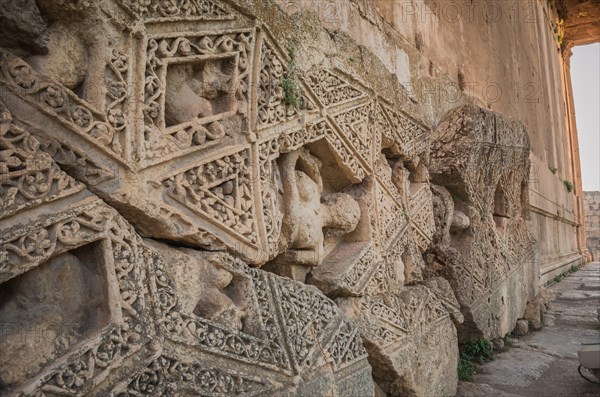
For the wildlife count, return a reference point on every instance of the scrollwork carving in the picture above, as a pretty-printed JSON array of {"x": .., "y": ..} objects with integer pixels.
[
  {"x": 167, "y": 375},
  {"x": 173, "y": 10},
  {"x": 59, "y": 102},
  {"x": 214, "y": 66},
  {"x": 27, "y": 178},
  {"x": 221, "y": 189},
  {"x": 331, "y": 89}
]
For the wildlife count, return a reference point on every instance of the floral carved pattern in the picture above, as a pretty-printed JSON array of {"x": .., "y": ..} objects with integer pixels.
[
  {"x": 192, "y": 49},
  {"x": 167, "y": 375},
  {"x": 24, "y": 248},
  {"x": 220, "y": 189},
  {"x": 396, "y": 318},
  {"x": 272, "y": 107},
  {"x": 421, "y": 216},
  {"x": 306, "y": 318},
  {"x": 60, "y": 103},
  {"x": 89, "y": 365},
  {"x": 27, "y": 178},
  {"x": 354, "y": 127},
  {"x": 172, "y": 10},
  {"x": 404, "y": 133},
  {"x": 331, "y": 89}
]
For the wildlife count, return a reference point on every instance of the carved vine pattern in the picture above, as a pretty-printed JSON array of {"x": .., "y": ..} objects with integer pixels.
[
  {"x": 27, "y": 178},
  {"x": 83, "y": 370},
  {"x": 331, "y": 89},
  {"x": 172, "y": 10},
  {"x": 159, "y": 52},
  {"x": 167, "y": 376},
  {"x": 220, "y": 189},
  {"x": 60, "y": 102}
]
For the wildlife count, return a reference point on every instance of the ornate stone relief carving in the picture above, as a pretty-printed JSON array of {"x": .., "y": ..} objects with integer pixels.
[
  {"x": 192, "y": 140},
  {"x": 257, "y": 319},
  {"x": 483, "y": 239},
  {"x": 394, "y": 325},
  {"x": 221, "y": 190},
  {"x": 191, "y": 10},
  {"x": 27, "y": 179},
  {"x": 196, "y": 90},
  {"x": 56, "y": 101}
]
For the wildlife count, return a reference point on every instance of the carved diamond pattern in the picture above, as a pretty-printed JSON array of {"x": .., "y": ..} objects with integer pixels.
[
  {"x": 354, "y": 126},
  {"x": 331, "y": 89},
  {"x": 306, "y": 316},
  {"x": 271, "y": 104},
  {"x": 220, "y": 190}
]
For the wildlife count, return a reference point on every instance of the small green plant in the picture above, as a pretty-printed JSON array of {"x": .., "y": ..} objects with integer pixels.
[
  {"x": 569, "y": 185},
  {"x": 466, "y": 369},
  {"x": 554, "y": 170},
  {"x": 573, "y": 269},
  {"x": 471, "y": 353},
  {"x": 565, "y": 274},
  {"x": 351, "y": 59},
  {"x": 292, "y": 96},
  {"x": 480, "y": 351},
  {"x": 558, "y": 278}
]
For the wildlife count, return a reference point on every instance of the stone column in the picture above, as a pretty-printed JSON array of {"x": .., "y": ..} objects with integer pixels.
[{"x": 574, "y": 143}]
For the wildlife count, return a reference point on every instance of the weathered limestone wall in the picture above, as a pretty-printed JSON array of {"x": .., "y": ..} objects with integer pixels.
[
  {"x": 591, "y": 207},
  {"x": 272, "y": 197},
  {"x": 502, "y": 55}
]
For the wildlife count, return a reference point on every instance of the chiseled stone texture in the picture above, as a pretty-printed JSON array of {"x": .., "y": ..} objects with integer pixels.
[
  {"x": 483, "y": 244},
  {"x": 410, "y": 337},
  {"x": 96, "y": 310},
  {"x": 206, "y": 202},
  {"x": 591, "y": 210}
]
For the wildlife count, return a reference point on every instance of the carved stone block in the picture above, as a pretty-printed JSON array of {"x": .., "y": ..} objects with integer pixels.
[
  {"x": 216, "y": 210},
  {"x": 410, "y": 338},
  {"x": 483, "y": 243}
]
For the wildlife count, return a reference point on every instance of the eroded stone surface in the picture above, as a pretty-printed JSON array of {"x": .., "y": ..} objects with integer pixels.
[
  {"x": 545, "y": 362},
  {"x": 224, "y": 209},
  {"x": 483, "y": 242},
  {"x": 591, "y": 204},
  {"x": 411, "y": 340}
]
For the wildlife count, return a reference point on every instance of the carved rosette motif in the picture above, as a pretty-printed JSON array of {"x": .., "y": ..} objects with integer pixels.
[
  {"x": 213, "y": 171},
  {"x": 27, "y": 178},
  {"x": 196, "y": 50},
  {"x": 53, "y": 99}
]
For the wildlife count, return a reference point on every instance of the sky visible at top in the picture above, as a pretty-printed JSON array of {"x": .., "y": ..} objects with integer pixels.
[{"x": 585, "y": 76}]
